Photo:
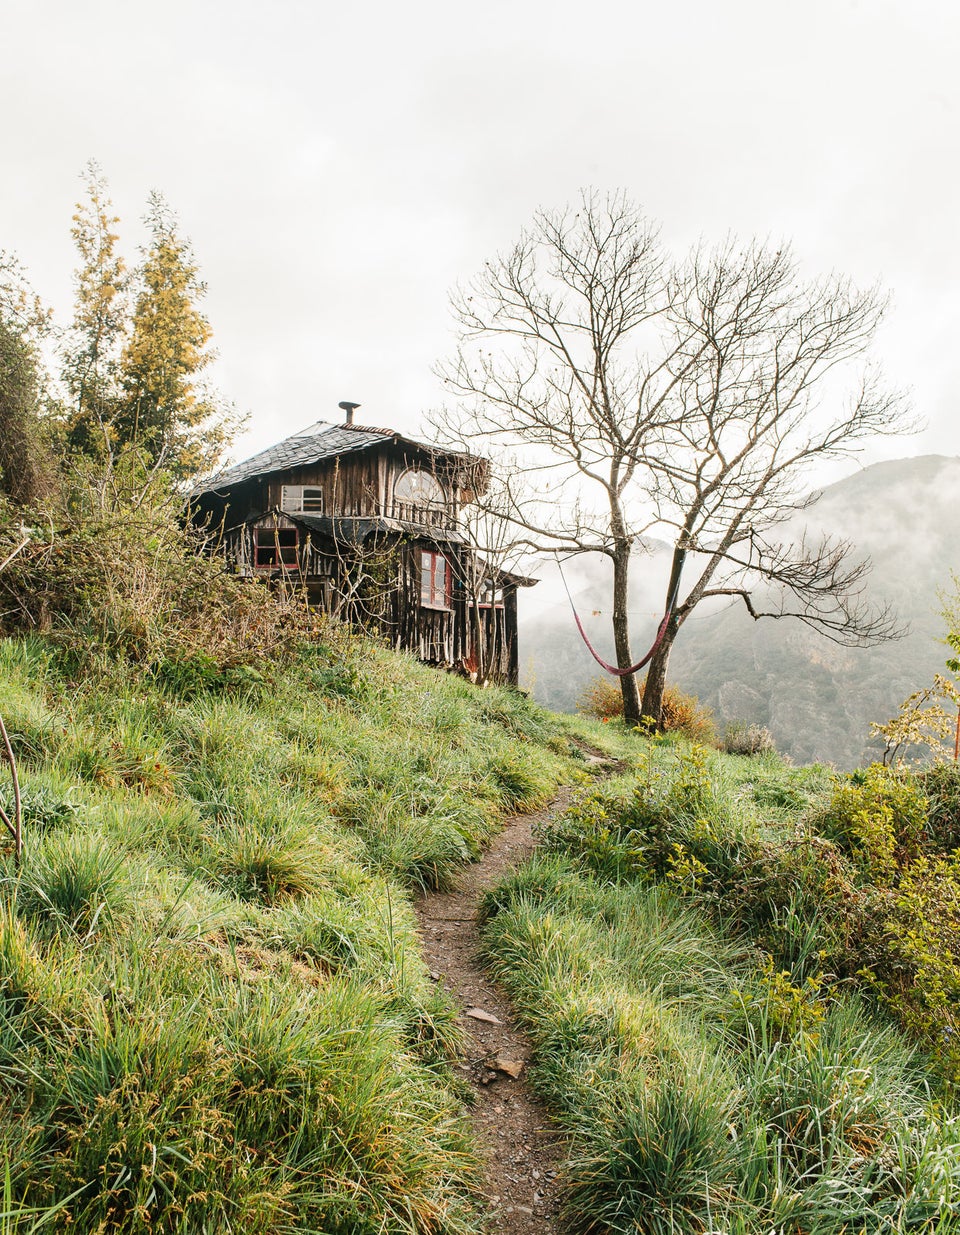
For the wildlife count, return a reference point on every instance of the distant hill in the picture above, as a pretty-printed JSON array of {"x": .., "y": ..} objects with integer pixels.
[{"x": 817, "y": 698}]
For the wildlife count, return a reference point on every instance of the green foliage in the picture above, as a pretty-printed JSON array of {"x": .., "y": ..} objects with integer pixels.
[
  {"x": 27, "y": 474},
  {"x": 27, "y": 470},
  {"x": 92, "y": 353},
  {"x": 924, "y": 935},
  {"x": 879, "y": 816},
  {"x": 703, "y": 1091},
  {"x": 139, "y": 344},
  {"x": 675, "y": 800},
  {"x": 164, "y": 409},
  {"x": 124, "y": 577},
  {"x": 940, "y": 784}
]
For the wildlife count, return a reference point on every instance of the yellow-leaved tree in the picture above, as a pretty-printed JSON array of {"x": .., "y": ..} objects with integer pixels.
[{"x": 140, "y": 344}]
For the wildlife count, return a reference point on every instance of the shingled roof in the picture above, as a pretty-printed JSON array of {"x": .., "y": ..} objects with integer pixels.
[{"x": 318, "y": 441}]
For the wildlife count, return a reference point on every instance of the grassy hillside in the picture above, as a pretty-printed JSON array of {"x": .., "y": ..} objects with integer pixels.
[
  {"x": 213, "y": 1012},
  {"x": 741, "y": 981}
]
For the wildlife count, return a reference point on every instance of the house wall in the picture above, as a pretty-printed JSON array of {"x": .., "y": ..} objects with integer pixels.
[
  {"x": 362, "y": 485},
  {"x": 352, "y": 485},
  {"x": 388, "y": 598}
]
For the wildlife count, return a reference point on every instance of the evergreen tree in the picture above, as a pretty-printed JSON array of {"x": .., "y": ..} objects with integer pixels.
[
  {"x": 27, "y": 472},
  {"x": 165, "y": 410},
  {"x": 92, "y": 357},
  {"x": 139, "y": 345}
]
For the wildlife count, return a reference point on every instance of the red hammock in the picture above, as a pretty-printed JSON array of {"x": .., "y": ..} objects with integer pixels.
[{"x": 662, "y": 630}]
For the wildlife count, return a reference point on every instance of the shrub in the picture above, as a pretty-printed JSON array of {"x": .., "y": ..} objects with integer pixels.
[
  {"x": 740, "y": 738},
  {"x": 119, "y": 573},
  {"x": 681, "y": 713},
  {"x": 924, "y": 932},
  {"x": 941, "y": 784},
  {"x": 879, "y": 816},
  {"x": 601, "y": 698}
]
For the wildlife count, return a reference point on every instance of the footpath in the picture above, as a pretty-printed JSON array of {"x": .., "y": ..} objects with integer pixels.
[{"x": 520, "y": 1146}]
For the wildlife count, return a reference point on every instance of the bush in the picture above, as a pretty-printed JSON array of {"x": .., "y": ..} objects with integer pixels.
[
  {"x": 739, "y": 738},
  {"x": 879, "y": 816},
  {"x": 601, "y": 698},
  {"x": 117, "y": 572},
  {"x": 682, "y": 713},
  {"x": 924, "y": 932},
  {"x": 941, "y": 784}
]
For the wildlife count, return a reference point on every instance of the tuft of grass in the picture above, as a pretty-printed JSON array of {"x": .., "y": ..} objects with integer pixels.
[
  {"x": 74, "y": 881},
  {"x": 267, "y": 864}
]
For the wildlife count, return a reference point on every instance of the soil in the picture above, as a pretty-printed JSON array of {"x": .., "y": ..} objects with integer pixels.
[{"x": 521, "y": 1148}]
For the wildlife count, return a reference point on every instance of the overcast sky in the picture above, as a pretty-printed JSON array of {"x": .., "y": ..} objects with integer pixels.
[{"x": 338, "y": 167}]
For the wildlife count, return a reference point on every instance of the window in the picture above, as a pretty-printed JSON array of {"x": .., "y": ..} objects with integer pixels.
[
  {"x": 301, "y": 497},
  {"x": 434, "y": 580},
  {"x": 274, "y": 547},
  {"x": 416, "y": 490}
]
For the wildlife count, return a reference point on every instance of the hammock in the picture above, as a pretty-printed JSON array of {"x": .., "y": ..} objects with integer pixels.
[{"x": 661, "y": 630}]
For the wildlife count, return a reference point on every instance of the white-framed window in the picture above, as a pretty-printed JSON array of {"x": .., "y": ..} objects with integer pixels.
[
  {"x": 434, "y": 580},
  {"x": 304, "y": 498}
]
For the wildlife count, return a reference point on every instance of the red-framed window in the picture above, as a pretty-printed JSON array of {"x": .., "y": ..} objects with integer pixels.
[
  {"x": 274, "y": 547},
  {"x": 434, "y": 580}
]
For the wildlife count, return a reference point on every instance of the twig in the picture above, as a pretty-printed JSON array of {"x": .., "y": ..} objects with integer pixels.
[
  {"x": 16, "y": 826},
  {"x": 19, "y": 549}
]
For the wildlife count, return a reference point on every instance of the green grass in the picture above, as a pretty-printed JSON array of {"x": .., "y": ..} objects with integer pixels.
[
  {"x": 675, "y": 952},
  {"x": 214, "y": 1013}
]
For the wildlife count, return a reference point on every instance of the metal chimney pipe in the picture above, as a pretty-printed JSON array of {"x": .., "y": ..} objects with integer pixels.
[{"x": 349, "y": 408}]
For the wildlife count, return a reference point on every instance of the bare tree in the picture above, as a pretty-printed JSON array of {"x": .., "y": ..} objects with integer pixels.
[
  {"x": 763, "y": 403},
  {"x": 686, "y": 400},
  {"x": 566, "y": 305}
]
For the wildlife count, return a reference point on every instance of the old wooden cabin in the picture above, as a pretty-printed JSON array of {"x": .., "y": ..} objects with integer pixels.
[{"x": 369, "y": 523}]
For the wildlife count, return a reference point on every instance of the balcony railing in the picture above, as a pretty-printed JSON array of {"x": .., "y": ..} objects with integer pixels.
[{"x": 420, "y": 513}]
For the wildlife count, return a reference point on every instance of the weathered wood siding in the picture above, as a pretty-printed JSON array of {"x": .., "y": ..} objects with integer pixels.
[{"x": 376, "y": 586}]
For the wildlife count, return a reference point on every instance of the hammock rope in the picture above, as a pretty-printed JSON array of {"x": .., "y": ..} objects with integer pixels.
[{"x": 661, "y": 630}]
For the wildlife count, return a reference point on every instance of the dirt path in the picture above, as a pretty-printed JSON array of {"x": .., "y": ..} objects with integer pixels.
[{"x": 520, "y": 1147}]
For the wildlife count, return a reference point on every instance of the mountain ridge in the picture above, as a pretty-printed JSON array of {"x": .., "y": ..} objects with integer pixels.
[{"x": 816, "y": 697}]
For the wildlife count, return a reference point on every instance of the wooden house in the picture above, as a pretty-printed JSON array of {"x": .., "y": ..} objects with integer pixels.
[{"x": 369, "y": 523}]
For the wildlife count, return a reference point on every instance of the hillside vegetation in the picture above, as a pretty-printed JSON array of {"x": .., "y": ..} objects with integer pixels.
[
  {"x": 739, "y": 976},
  {"x": 214, "y": 1014},
  {"x": 741, "y": 980}
]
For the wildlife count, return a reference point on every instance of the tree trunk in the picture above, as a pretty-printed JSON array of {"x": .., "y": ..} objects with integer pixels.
[
  {"x": 657, "y": 676},
  {"x": 621, "y": 636}
]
